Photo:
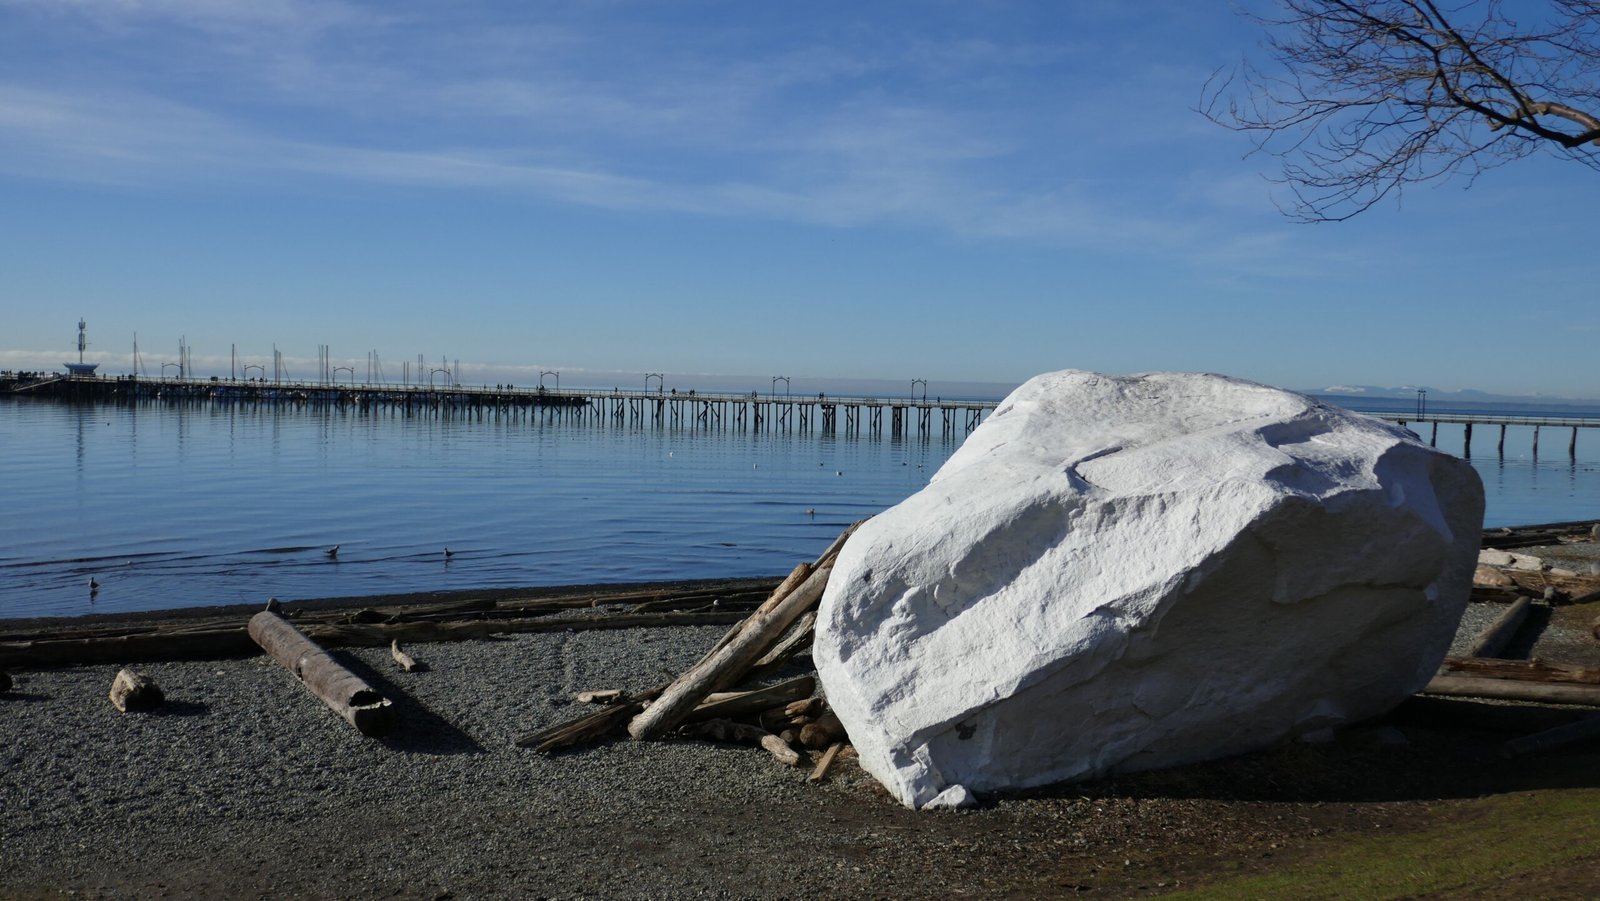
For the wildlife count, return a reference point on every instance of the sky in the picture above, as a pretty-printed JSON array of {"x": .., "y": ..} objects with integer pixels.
[{"x": 963, "y": 192}]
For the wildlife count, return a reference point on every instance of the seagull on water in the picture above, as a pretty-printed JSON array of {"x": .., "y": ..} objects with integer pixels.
[{"x": 333, "y": 552}]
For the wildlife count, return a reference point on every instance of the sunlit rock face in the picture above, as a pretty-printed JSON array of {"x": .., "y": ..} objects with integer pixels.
[{"x": 1125, "y": 573}]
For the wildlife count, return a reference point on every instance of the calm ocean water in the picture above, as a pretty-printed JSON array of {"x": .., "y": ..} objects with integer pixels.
[{"x": 176, "y": 505}]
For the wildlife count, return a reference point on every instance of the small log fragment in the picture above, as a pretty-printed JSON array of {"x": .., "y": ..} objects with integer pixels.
[
  {"x": 780, "y": 750},
  {"x": 343, "y": 691},
  {"x": 598, "y": 696},
  {"x": 135, "y": 691},
  {"x": 820, "y": 772},
  {"x": 1493, "y": 639},
  {"x": 807, "y": 707},
  {"x": 826, "y": 731},
  {"x": 406, "y": 661},
  {"x": 1549, "y": 739},
  {"x": 733, "y": 705},
  {"x": 1514, "y": 690}
]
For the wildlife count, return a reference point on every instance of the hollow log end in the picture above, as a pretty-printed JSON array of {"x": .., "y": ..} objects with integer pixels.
[{"x": 372, "y": 718}]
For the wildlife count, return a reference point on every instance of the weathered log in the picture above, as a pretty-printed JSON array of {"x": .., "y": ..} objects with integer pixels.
[
  {"x": 214, "y": 641},
  {"x": 135, "y": 691},
  {"x": 747, "y": 703},
  {"x": 1493, "y": 639},
  {"x": 1514, "y": 690},
  {"x": 5, "y": 681},
  {"x": 1521, "y": 670},
  {"x": 343, "y": 691},
  {"x": 597, "y": 726},
  {"x": 797, "y": 637},
  {"x": 820, "y": 772},
  {"x": 406, "y": 661},
  {"x": 728, "y": 665},
  {"x": 826, "y": 730},
  {"x": 598, "y": 696},
  {"x": 1549, "y": 739}
]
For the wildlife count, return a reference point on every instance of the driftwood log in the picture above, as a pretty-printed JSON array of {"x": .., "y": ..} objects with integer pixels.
[
  {"x": 135, "y": 691},
  {"x": 826, "y": 730},
  {"x": 1493, "y": 639},
  {"x": 1514, "y": 690},
  {"x": 343, "y": 691},
  {"x": 1521, "y": 670},
  {"x": 728, "y": 665},
  {"x": 5, "y": 681},
  {"x": 748, "y": 703},
  {"x": 215, "y": 641}
]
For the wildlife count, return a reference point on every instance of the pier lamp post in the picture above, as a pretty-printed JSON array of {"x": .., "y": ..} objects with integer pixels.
[
  {"x": 780, "y": 378},
  {"x": 1422, "y": 402},
  {"x": 550, "y": 372},
  {"x": 260, "y": 369},
  {"x": 924, "y": 384},
  {"x": 661, "y": 381},
  {"x": 177, "y": 366}
]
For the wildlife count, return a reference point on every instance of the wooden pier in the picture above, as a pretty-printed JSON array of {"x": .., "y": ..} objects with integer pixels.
[
  {"x": 1468, "y": 420},
  {"x": 659, "y": 408}
]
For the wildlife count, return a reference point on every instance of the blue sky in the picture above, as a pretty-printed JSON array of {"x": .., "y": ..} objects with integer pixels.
[{"x": 964, "y": 192}]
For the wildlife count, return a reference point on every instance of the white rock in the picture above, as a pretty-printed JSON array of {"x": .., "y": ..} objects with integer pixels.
[
  {"x": 1494, "y": 557},
  {"x": 956, "y": 797},
  {"x": 1123, "y": 573}
]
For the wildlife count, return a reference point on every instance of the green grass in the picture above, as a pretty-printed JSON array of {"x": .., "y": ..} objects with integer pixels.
[{"x": 1484, "y": 843}]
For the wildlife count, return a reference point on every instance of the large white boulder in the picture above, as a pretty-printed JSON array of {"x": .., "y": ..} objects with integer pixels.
[{"x": 1125, "y": 573}]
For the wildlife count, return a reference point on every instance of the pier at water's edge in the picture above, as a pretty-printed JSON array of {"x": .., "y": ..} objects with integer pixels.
[{"x": 660, "y": 407}]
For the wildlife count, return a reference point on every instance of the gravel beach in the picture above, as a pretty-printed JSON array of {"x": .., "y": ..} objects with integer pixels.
[{"x": 244, "y": 785}]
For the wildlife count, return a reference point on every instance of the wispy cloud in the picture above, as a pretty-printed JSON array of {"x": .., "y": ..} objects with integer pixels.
[{"x": 909, "y": 132}]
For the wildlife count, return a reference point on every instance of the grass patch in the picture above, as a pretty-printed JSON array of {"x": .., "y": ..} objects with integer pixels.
[{"x": 1485, "y": 843}]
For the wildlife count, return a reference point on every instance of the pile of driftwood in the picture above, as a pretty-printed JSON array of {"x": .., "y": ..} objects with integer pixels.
[
  {"x": 770, "y": 626},
  {"x": 298, "y": 644},
  {"x": 214, "y": 636},
  {"x": 1525, "y": 583},
  {"x": 785, "y": 718}
]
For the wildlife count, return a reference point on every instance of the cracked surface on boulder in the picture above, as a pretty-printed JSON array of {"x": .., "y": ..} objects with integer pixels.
[{"x": 1124, "y": 573}]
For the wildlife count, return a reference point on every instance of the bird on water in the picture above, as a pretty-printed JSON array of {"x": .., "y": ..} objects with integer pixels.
[
  {"x": 94, "y": 586},
  {"x": 333, "y": 552},
  {"x": 448, "y": 553}
]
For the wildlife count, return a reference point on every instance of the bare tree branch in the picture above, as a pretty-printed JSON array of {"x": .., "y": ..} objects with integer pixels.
[{"x": 1364, "y": 97}]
